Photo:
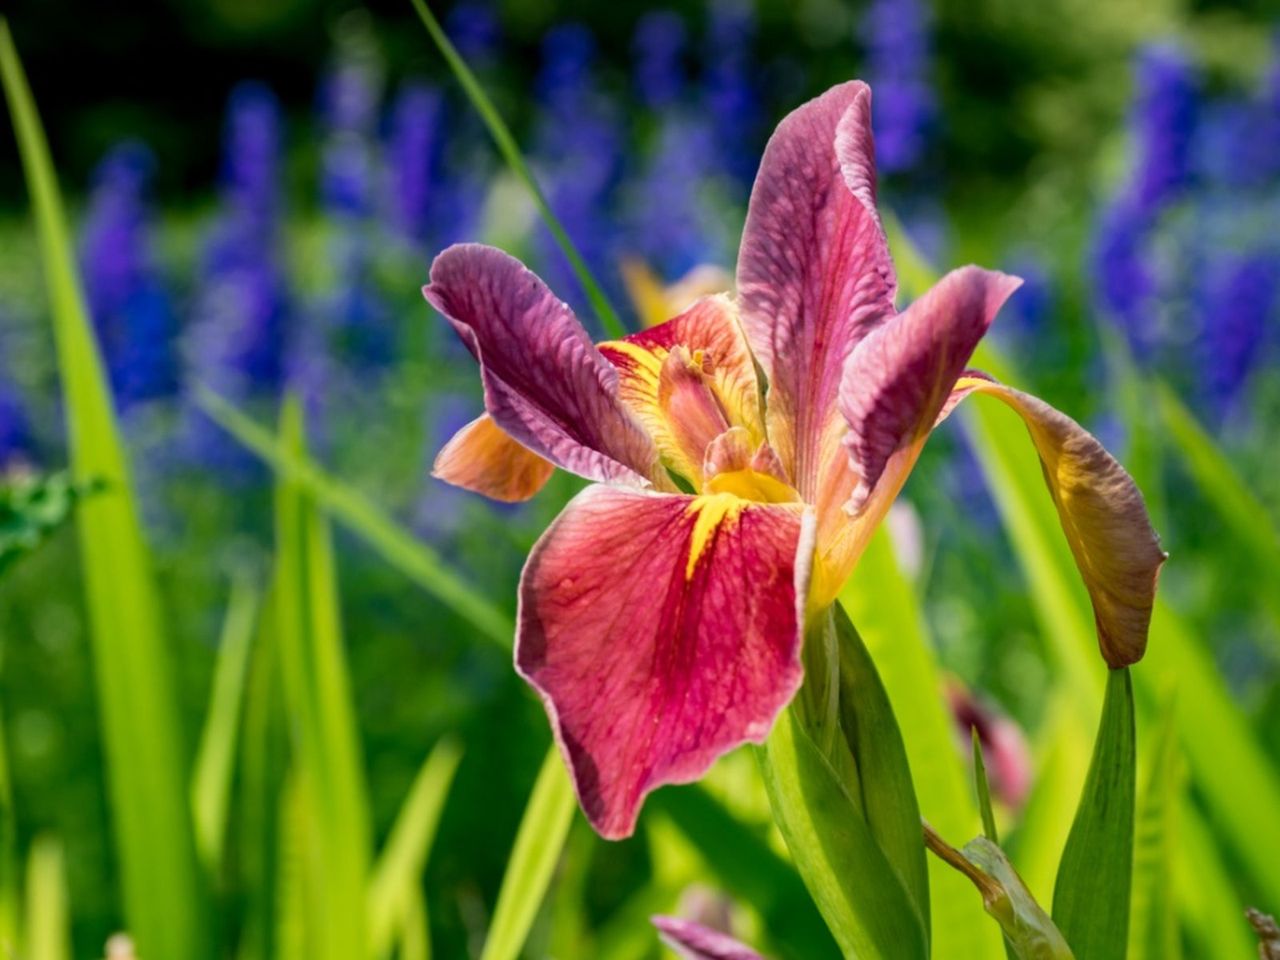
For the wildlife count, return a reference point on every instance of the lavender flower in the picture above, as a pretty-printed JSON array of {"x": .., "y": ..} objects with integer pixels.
[
  {"x": 897, "y": 34},
  {"x": 1239, "y": 304},
  {"x": 729, "y": 91},
  {"x": 658, "y": 45},
  {"x": 15, "y": 430},
  {"x": 1164, "y": 125},
  {"x": 413, "y": 157},
  {"x": 1122, "y": 272},
  {"x": 132, "y": 314}
]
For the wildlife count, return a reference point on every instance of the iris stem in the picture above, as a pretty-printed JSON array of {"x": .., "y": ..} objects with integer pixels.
[{"x": 506, "y": 144}]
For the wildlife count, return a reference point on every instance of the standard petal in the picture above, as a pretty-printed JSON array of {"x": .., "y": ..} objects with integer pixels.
[
  {"x": 1103, "y": 516},
  {"x": 483, "y": 459},
  {"x": 710, "y": 330},
  {"x": 661, "y": 631},
  {"x": 814, "y": 272},
  {"x": 693, "y": 941},
  {"x": 545, "y": 383}
]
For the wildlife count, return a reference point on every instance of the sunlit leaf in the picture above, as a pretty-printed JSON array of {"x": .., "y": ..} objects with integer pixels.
[
  {"x": 1092, "y": 892},
  {"x": 1153, "y": 928},
  {"x": 163, "y": 889},
  {"x": 540, "y": 840},
  {"x": 395, "y": 886},
  {"x": 48, "y": 924}
]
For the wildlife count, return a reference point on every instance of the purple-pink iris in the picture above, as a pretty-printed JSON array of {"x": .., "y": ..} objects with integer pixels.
[{"x": 661, "y": 627}]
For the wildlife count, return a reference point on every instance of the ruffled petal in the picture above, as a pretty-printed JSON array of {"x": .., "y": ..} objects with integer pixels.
[
  {"x": 1103, "y": 516},
  {"x": 894, "y": 384},
  {"x": 693, "y": 941},
  {"x": 709, "y": 330},
  {"x": 814, "y": 273},
  {"x": 545, "y": 383},
  {"x": 483, "y": 459},
  {"x": 661, "y": 631}
]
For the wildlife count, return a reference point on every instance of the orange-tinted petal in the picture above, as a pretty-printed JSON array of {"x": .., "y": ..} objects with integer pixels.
[
  {"x": 483, "y": 459},
  {"x": 1103, "y": 516}
]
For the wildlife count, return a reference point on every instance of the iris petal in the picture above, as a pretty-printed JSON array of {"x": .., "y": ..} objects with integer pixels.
[{"x": 482, "y": 458}]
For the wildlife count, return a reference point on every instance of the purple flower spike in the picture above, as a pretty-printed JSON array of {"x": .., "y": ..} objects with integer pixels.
[{"x": 1164, "y": 123}]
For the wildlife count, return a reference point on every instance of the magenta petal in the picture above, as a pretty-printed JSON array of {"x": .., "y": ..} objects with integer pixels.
[
  {"x": 545, "y": 383},
  {"x": 899, "y": 378},
  {"x": 661, "y": 631},
  {"x": 693, "y": 941},
  {"x": 814, "y": 272}
]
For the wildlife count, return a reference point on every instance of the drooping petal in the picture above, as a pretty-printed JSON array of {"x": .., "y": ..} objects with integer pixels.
[
  {"x": 693, "y": 941},
  {"x": 1103, "y": 516},
  {"x": 545, "y": 383},
  {"x": 814, "y": 273},
  {"x": 894, "y": 384},
  {"x": 709, "y": 330},
  {"x": 661, "y": 632},
  {"x": 482, "y": 458}
]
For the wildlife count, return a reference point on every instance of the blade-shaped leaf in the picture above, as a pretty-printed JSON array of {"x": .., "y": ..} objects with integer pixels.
[
  {"x": 1153, "y": 928},
  {"x": 983, "y": 789},
  {"x": 1091, "y": 895},
  {"x": 215, "y": 760},
  {"x": 541, "y": 837},
  {"x": 326, "y": 742},
  {"x": 865, "y": 904},
  {"x": 164, "y": 891},
  {"x": 409, "y": 555},
  {"x": 48, "y": 923},
  {"x": 397, "y": 876},
  {"x": 882, "y": 602}
]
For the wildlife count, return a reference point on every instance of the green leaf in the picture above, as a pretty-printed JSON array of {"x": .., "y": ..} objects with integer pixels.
[
  {"x": 9, "y": 867},
  {"x": 415, "y": 929},
  {"x": 541, "y": 837},
  {"x": 1153, "y": 927},
  {"x": 397, "y": 877},
  {"x": 215, "y": 760},
  {"x": 865, "y": 904},
  {"x": 164, "y": 893},
  {"x": 48, "y": 923},
  {"x": 413, "y": 558},
  {"x": 884, "y": 777},
  {"x": 510, "y": 151},
  {"x": 882, "y": 602},
  {"x": 32, "y": 507},
  {"x": 331, "y": 782},
  {"x": 983, "y": 789},
  {"x": 1095, "y": 877}
]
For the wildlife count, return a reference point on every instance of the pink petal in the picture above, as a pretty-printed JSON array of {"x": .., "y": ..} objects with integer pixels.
[
  {"x": 484, "y": 459},
  {"x": 1103, "y": 517},
  {"x": 545, "y": 383},
  {"x": 693, "y": 941},
  {"x": 899, "y": 378},
  {"x": 814, "y": 273},
  {"x": 662, "y": 631}
]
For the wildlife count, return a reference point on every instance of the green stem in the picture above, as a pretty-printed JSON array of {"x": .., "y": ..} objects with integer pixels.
[{"x": 510, "y": 151}]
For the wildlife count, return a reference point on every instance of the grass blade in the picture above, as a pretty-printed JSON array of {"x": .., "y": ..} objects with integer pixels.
[
  {"x": 326, "y": 740},
  {"x": 541, "y": 837},
  {"x": 1153, "y": 930},
  {"x": 48, "y": 923},
  {"x": 882, "y": 602},
  {"x": 510, "y": 151},
  {"x": 1095, "y": 877},
  {"x": 397, "y": 876},
  {"x": 409, "y": 555},
  {"x": 983, "y": 790},
  {"x": 215, "y": 760},
  {"x": 9, "y": 869},
  {"x": 164, "y": 892}
]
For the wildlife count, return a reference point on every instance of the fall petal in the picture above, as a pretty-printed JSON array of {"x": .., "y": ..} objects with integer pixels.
[
  {"x": 661, "y": 631},
  {"x": 693, "y": 941},
  {"x": 710, "y": 331},
  {"x": 482, "y": 458},
  {"x": 1103, "y": 516},
  {"x": 545, "y": 383},
  {"x": 814, "y": 273}
]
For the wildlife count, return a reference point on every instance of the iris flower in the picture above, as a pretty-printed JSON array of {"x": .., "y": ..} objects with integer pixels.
[{"x": 742, "y": 455}]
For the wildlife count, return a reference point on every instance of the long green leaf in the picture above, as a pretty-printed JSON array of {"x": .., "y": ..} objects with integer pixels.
[
  {"x": 510, "y": 151},
  {"x": 541, "y": 837},
  {"x": 164, "y": 892},
  {"x": 48, "y": 920},
  {"x": 215, "y": 760},
  {"x": 1095, "y": 877},
  {"x": 397, "y": 875},
  {"x": 412, "y": 557},
  {"x": 9, "y": 868},
  {"x": 1153, "y": 930},
  {"x": 882, "y": 602},
  {"x": 326, "y": 739},
  {"x": 866, "y": 906}
]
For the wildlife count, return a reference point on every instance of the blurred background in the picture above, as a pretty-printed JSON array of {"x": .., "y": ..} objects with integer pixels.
[{"x": 257, "y": 189}]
